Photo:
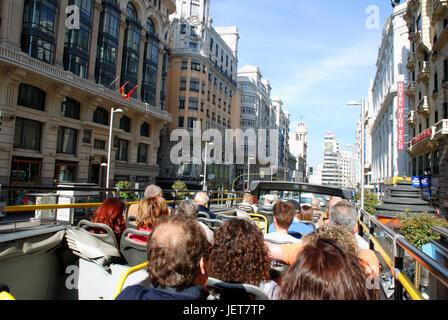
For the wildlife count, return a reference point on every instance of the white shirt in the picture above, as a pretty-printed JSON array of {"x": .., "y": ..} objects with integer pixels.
[
  {"x": 362, "y": 244},
  {"x": 280, "y": 237}
]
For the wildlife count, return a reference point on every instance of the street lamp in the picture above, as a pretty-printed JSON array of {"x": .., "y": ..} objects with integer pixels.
[
  {"x": 204, "y": 187},
  {"x": 248, "y": 171},
  {"x": 354, "y": 103},
  {"x": 111, "y": 125}
]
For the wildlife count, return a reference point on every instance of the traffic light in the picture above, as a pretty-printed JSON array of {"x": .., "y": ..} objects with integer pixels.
[{"x": 311, "y": 171}]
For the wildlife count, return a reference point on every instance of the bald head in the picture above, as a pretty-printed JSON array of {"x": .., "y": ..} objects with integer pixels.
[
  {"x": 343, "y": 213},
  {"x": 174, "y": 250}
]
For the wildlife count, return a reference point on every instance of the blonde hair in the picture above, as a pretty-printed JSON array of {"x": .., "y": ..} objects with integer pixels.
[
  {"x": 340, "y": 234},
  {"x": 247, "y": 197},
  {"x": 149, "y": 210}
]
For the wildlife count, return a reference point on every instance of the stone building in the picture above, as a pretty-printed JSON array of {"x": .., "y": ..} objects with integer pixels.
[{"x": 60, "y": 82}]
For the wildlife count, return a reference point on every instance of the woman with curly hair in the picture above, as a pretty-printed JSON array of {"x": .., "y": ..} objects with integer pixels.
[
  {"x": 239, "y": 255},
  {"x": 326, "y": 271},
  {"x": 149, "y": 210},
  {"x": 111, "y": 214}
]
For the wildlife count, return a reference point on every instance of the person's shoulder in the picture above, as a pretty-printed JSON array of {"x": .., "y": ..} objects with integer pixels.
[{"x": 136, "y": 292}]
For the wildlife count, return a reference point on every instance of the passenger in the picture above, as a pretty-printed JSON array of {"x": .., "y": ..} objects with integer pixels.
[
  {"x": 289, "y": 252},
  {"x": 248, "y": 200},
  {"x": 240, "y": 256},
  {"x": 325, "y": 271},
  {"x": 202, "y": 200},
  {"x": 190, "y": 208},
  {"x": 296, "y": 226},
  {"x": 177, "y": 253},
  {"x": 332, "y": 202},
  {"x": 110, "y": 213},
  {"x": 150, "y": 191},
  {"x": 306, "y": 213},
  {"x": 149, "y": 210},
  {"x": 268, "y": 202},
  {"x": 283, "y": 217},
  {"x": 318, "y": 209}
]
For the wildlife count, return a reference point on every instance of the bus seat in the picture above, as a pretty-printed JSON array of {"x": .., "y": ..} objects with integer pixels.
[
  {"x": 134, "y": 252},
  {"x": 224, "y": 217},
  {"x": 203, "y": 214},
  {"x": 245, "y": 207},
  {"x": 231, "y": 290},
  {"x": 125, "y": 275},
  {"x": 108, "y": 236},
  {"x": 211, "y": 223},
  {"x": 130, "y": 222}
]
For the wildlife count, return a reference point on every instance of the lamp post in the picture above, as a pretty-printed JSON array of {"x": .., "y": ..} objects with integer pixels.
[
  {"x": 354, "y": 103},
  {"x": 248, "y": 171},
  {"x": 204, "y": 187},
  {"x": 109, "y": 150}
]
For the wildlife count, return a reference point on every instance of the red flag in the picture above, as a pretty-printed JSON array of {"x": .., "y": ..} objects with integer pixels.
[
  {"x": 121, "y": 89},
  {"x": 130, "y": 93}
]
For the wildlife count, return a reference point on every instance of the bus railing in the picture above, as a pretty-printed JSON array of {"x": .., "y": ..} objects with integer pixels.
[{"x": 400, "y": 246}]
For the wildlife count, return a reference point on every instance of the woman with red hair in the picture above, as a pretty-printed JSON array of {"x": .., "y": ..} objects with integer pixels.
[{"x": 110, "y": 213}]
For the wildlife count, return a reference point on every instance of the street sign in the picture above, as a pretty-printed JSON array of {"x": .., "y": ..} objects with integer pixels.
[{"x": 416, "y": 182}]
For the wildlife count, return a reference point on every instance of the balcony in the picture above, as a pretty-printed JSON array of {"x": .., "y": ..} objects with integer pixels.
[
  {"x": 439, "y": 8},
  {"x": 411, "y": 61},
  {"x": 423, "y": 72},
  {"x": 411, "y": 32},
  {"x": 411, "y": 90},
  {"x": 441, "y": 129},
  {"x": 424, "y": 107},
  {"x": 411, "y": 118},
  {"x": 435, "y": 93}
]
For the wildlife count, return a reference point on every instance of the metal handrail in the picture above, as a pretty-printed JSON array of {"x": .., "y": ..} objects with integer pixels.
[{"x": 427, "y": 262}]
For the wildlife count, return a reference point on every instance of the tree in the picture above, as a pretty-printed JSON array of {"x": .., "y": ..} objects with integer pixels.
[
  {"x": 370, "y": 201},
  {"x": 416, "y": 228},
  {"x": 127, "y": 196},
  {"x": 179, "y": 185}
]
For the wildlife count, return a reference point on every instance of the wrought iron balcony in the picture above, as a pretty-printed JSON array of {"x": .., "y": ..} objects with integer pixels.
[
  {"x": 424, "y": 71},
  {"x": 441, "y": 129},
  {"x": 411, "y": 90},
  {"x": 411, "y": 61}
]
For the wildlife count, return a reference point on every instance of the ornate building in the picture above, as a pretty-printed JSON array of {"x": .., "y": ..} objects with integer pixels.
[{"x": 59, "y": 83}]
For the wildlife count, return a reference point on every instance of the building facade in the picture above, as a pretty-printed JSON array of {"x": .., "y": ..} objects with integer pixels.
[
  {"x": 427, "y": 22},
  {"x": 347, "y": 167},
  {"x": 388, "y": 132},
  {"x": 202, "y": 88},
  {"x": 330, "y": 172},
  {"x": 60, "y": 83},
  {"x": 298, "y": 144}
]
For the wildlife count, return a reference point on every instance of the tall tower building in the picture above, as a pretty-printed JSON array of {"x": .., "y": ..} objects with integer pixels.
[
  {"x": 298, "y": 145},
  {"x": 202, "y": 90},
  {"x": 331, "y": 173}
]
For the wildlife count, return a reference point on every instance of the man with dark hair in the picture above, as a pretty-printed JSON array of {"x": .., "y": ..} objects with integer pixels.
[
  {"x": 283, "y": 217},
  {"x": 176, "y": 253},
  {"x": 295, "y": 226}
]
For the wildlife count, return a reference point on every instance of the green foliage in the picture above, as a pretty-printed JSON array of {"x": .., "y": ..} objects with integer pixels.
[
  {"x": 370, "y": 201},
  {"x": 179, "y": 185},
  {"x": 127, "y": 196},
  {"x": 416, "y": 228}
]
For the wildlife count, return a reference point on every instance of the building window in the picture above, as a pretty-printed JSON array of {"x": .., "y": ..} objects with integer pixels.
[
  {"x": 150, "y": 66},
  {"x": 445, "y": 110},
  {"x": 107, "y": 43},
  {"x": 125, "y": 123},
  {"x": 183, "y": 84},
  {"x": 183, "y": 28},
  {"x": 131, "y": 50},
  {"x": 99, "y": 144},
  {"x": 420, "y": 166},
  {"x": 65, "y": 171},
  {"x": 142, "y": 153},
  {"x": 38, "y": 29},
  {"x": 181, "y": 103},
  {"x": 31, "y": 97},
  {"x": 70, "y": 108},
  {"x": 77, "y": 41},
  {"x": 193, "y": 45},
  {"x": 122, "y": 151},
  {"x": 27, "y": 134},
  {"x": 193, "y": 104},
  {"x": 25, "y": 171},
  {"x": 436, "y": 168},
  {"x": 180, "y": 122},
  {"x": 191, "y": 122},
  {"x": 145, "y": 129},
  {"x": 194, "y": 85},
  {"x": 195, "y": 65},
  {"x": 66, "y": 142},
  {"x": 184, "y": 65},
  {"x": 101, "y": 116}
]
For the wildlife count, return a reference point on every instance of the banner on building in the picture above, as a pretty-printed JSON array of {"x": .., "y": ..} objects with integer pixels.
[{"x": 400, "y": 115}]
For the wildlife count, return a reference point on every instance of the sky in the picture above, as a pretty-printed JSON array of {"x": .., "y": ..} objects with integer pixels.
[{"x": 317, "y": 55}]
